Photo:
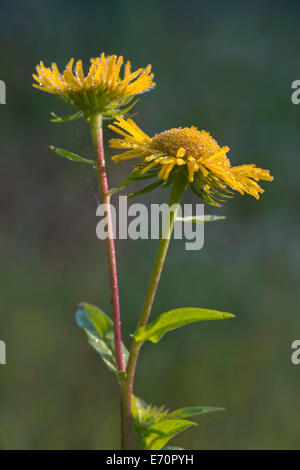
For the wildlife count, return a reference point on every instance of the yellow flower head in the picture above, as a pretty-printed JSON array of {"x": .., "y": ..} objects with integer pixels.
[
  {"x": 101, "y": 90},
  {"x": 205, "y": 164}
]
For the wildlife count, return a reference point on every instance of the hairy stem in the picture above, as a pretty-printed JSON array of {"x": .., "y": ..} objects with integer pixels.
[
  {"x": 97, "y": 136},
  {"x": 176, "y": 196}
]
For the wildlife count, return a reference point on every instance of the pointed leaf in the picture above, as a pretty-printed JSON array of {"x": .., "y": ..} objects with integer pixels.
[
  {"x": 138, "y": 407},
  {"x": 158, "y": 435},
  {"x": 156, "y": 425},
  {"x": 145, "y": 415},
  {"x": 99, "y": 330},
  {"x": 71, "y": 156},
  {"x": 188, "y": 412},
  {"x": 174, "y": 319}
]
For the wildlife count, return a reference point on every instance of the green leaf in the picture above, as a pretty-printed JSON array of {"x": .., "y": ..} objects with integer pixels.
[
  {"x": 158, "y": 435},
  {"x": 145, "y": 415},
  {"x": 188, "y": 412},
  {"x": 71, "y": 156},
  {"x": 156, "y": 425},
  {"x": 99, "y": 330},
  {"x": 201, "y": 219},
  {"x": 71, "y": 117},
  {"x": 138, "y": 407},
  {"x": 174, "y": 319}
]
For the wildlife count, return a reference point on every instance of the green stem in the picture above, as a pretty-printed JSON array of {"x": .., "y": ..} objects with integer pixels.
[{"x": 175, "y": 198}]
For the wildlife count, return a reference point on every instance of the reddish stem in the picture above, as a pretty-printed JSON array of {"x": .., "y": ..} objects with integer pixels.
[{"x": 97, "y": 136}]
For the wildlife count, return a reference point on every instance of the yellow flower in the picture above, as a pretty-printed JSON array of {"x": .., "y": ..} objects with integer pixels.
[
  {"x": 206, "y": 165},
  {"x": 101, "y": 90}
]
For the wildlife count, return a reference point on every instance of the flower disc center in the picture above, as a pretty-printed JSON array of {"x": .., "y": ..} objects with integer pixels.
[{"x": 195, "y": 143}]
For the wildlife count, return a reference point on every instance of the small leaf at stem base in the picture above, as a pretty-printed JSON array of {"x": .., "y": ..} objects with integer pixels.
[{"x": 156, "y": 425}]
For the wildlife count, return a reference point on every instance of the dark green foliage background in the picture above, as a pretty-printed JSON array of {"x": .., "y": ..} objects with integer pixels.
[{"x": 226, "y": 67}]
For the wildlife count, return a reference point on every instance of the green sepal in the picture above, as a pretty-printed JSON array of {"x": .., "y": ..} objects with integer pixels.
[
  {"x": 120, "y": 111},
  {"x": 174, "y": 319},
  {"x": 71, "y": 117},
  {"x": 146, "y": 189},
  {"x": 204, "y": 195}
]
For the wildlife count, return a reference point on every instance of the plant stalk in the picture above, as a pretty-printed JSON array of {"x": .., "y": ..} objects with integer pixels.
[
  {"x": 97, "y": 136},
  {"x": 175, "y": 198}
]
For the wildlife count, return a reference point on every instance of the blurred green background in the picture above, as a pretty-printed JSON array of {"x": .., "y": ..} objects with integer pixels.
[{"x": 226, "y": 67}]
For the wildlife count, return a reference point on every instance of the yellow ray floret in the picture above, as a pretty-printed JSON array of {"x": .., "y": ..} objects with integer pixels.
[
  {"x": 247, "y": 175},
  {"x": 104, "y": 77},
  {"x": 196, "y": 152}
]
